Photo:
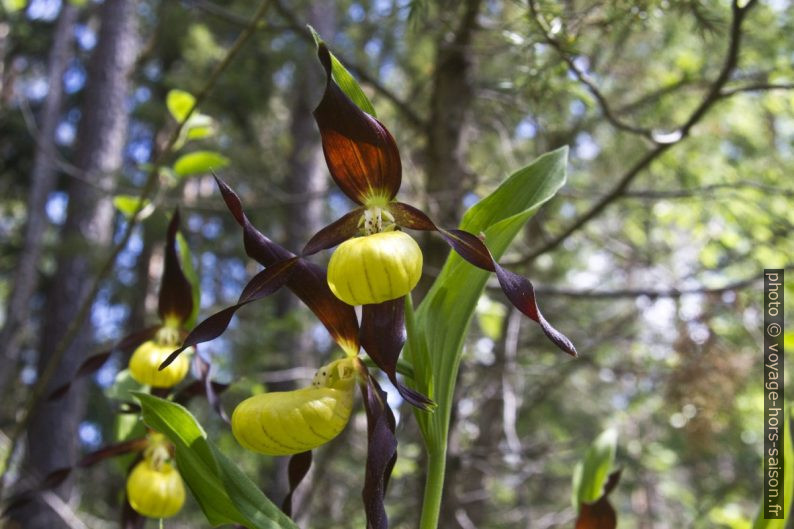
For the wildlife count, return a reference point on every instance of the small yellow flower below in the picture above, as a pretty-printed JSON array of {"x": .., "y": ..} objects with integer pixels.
[{"x": 155, "y": 491}]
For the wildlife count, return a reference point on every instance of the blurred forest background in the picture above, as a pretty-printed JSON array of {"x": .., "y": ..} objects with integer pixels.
[{"x": 680, "y": 120}]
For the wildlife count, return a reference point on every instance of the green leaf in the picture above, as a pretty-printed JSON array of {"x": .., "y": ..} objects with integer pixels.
[
  {"x": 442, "y": 319},
  {"x": 219, "y": 489},
  {"x": 788, "y": 480},
  {"x": 199, "y": 162},
  {"x": 592, "y": 472},
  {"x": 247, "y": 497},
  {"x": 12, "y": 6},
  {"x": 186, "y": 262},
  {"x": 346, "y": 81},
  {"x": 199, "y": 126},
  {"x": 179, "y": 104},
  {"x": 128, "y": 205}
]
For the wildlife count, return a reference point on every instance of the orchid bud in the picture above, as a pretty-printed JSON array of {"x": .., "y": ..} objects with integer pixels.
[
  {"x": 289, "y": 422},
  {"x": 146, "y": 360},
  {"x": 155, "y": 489},
  {"x": 375, "y": 268}
]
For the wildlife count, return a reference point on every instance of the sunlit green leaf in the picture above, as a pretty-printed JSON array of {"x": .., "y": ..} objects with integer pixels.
[
  {"x": 179, "y": 103},
  {"x": 223, "y": 492},
  {"x": 592, "y": 473},
  {"x": 199, "y": 162},
  {"x": 346, "y": 81},
  {"x": 500, "y": 216},
  {"x": 128, "y": 205},
  {"x": 12, "y": 6},
  {"x": 199, "y": 126},
  {"x": 490, "y": 317}
]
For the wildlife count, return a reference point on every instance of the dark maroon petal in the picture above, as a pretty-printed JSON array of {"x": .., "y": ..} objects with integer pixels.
[
  {"x": 382, "y": 337},
  {"x": 176, "y": 292},
  {"x": 263, "y": 284},
  {"x": 198, "y": 388},
  {"x": 600, "y": 514},
  {"x": 133, "y": 445},
  {"x": 204, "y": 368},
  {"x": 362, "y": 155},
  {"x": 124, "y": 407},
  {"x": 333, "y": 234},
  {"x": 518, "y": 289},
  {"x": 381, "y": 452},
  {"x": 297, "y": 469},
  {"x": 410, "y": 217},
  {"x": 93, "y": 363},
  {"x": 308, "y": 280},
  {"x": 257, "y": 246},
  {"x": 521, "y": 294}
]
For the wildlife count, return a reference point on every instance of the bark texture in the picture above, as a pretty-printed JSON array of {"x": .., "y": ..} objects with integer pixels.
[
  {"x": 446, "y": 176},
  {"x": 42, "y": 181},
  {"x": 53, "y": 432}
]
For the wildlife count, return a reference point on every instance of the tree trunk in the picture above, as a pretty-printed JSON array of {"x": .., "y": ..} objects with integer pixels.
[
  {"x": 42, "y": 182},
  {"x": 53, "y": 432},
  {"x": 446, "y": 175}
]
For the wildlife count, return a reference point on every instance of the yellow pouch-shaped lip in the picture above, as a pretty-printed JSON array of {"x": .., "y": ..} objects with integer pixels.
[
  {"x": 289, "y": 422},
  {"x": 155, "y": 492},
  {"x": 375, "y": 268},
  {"x": 146, "y": 361}
]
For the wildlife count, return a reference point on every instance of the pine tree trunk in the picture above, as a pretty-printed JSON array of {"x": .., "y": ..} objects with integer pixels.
[
  {"x": 446, "y": 175},
  {"x": 42, "y": 182},
  {"x": 53, "y": 432}
]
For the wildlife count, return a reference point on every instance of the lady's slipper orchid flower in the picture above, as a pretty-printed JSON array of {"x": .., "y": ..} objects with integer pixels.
[
  {"x": 364, "y": 161},
  {"x": 152, "y": 345},
  {"x": 290, "y": 422},
  {"x": 283, "y": 422},
  {"x": 375, "y": 265},
  {"x": 154, "y": 486}
]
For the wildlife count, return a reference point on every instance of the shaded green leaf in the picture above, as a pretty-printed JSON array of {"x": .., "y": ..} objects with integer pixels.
[
  {"x": 248, "y": 498},
  {"x": 206, "y": 477},
  {"x": 199, "y": 162},
  {"x": 186, "y": 262},
  {"x": 346, "y": 81}
]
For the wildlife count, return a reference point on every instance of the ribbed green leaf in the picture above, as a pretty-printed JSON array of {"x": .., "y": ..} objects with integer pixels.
[
  {"x": 199, "y": 162},
  {"x": 592, "y": 472},
  {"x": 223, "y": 491},
  {"x": 442, "y": 320}
]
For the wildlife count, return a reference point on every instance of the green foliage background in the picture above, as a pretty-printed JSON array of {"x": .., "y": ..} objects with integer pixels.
[{"x": 659, "y": 292}]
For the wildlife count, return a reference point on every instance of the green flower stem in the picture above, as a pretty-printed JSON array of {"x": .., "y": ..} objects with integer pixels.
[{"x": 434, "y": 487}]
